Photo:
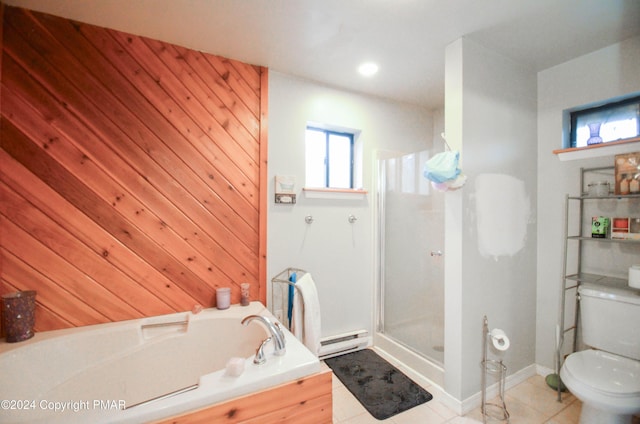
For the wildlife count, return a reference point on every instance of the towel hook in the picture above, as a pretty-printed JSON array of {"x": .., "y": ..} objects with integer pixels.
[{"x": 308, "y": 219}]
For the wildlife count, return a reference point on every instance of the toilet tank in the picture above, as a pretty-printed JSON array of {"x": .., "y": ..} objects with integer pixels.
[{"x": 610, "y": 319}]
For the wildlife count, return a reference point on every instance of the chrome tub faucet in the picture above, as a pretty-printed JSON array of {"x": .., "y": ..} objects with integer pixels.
[{"x": 277, "y": 335}]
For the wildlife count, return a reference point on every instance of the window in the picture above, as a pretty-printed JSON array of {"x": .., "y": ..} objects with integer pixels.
[
  {"x": 329, "y": 158},
  {"x": 602, "y": 124}
]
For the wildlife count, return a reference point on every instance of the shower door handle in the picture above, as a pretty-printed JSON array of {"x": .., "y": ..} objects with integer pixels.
[{"x": 436, "y": 253}]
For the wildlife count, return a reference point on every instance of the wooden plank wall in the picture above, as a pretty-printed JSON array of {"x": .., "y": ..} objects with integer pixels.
[{"x": 131, "y": 172}]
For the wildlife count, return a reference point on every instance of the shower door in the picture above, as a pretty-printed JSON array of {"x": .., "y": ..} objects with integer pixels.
[{"x": 411, "y": 266}]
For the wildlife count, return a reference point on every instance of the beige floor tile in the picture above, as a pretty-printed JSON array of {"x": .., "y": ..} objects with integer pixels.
[
  {"x": 569, "y": 415},
  {"x": 463, "y": 420},
  {"x": 345, "y": 405},
  {"x": 419, "y": 414},
  {"x": 530, "y": 402},
  {"x": 521, "y": 413},
  {"x": 476, "y": 414},
  {"x": 365, "y": 418},
  {"x": 441, "y": 409},
  {"x": 541, "y": 383},
  {"x": 536, "y": 394}
]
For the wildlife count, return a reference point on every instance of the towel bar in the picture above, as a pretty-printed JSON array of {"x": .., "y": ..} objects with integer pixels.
[
  {"x": 279, "y": 297},
  {"x": 280, "y": 278}
]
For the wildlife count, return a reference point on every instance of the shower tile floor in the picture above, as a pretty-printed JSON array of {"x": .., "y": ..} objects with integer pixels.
[{"x": 530, "y": 402}]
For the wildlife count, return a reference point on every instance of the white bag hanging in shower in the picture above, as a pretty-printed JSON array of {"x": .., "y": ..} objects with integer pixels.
[{"x": 442, "y": 167}]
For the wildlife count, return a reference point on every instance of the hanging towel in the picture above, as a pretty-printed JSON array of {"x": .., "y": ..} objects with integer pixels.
[
  {"x": 292, "y": 292},
  {"x": 306, "y": 314}
]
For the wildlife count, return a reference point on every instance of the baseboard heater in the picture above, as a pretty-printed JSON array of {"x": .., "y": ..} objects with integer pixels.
[{"x": 343, "y": 343}]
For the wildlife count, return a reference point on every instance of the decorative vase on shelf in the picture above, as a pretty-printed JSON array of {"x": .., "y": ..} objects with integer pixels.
[{"x": 594, "y": 130}]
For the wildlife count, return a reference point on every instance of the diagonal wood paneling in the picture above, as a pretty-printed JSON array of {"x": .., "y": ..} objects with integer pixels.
[{"x": 132, "y": 172}]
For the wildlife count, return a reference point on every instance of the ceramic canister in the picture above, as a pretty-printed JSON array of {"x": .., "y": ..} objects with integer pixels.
[
  {"x": 223, "y": 298},
  {"x": 599, "y": 188},
  {"x": 18, "y": 315},
  {"x": 634, "y": 276}
]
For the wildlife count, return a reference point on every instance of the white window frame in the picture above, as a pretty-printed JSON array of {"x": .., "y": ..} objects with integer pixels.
[
  {"x": 600, "y": 117},
  {"x": 356, "y": 158}
]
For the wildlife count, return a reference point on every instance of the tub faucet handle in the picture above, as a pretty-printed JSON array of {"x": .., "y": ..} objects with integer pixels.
[{"x": 260, "y": 358}]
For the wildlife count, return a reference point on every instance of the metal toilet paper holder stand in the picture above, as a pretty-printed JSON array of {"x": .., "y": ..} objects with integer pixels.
[{"x": 495, "y": 411}]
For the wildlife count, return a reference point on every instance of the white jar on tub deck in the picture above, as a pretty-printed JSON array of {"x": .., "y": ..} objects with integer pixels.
[{"x": 223, "y": 298}]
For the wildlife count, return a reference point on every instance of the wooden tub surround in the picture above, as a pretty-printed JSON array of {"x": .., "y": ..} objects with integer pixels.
[
  {"x": 132, "y": 172},
  {"x": 305, "y": 401}
]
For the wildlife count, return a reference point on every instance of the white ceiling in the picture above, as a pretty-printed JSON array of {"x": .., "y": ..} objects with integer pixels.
[{"x": 325, "y": 40}]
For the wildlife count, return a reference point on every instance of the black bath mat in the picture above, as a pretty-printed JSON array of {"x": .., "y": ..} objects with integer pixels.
[{"x": 380, "y": 387}]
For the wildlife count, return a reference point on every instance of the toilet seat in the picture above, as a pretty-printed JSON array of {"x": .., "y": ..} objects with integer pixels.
[
  {"x": 608, "y": 374},
  {"x": 603, "y": 381}
]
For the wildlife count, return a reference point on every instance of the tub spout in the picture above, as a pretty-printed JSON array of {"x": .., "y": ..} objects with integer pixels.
[{"x": 277, "y": 334}]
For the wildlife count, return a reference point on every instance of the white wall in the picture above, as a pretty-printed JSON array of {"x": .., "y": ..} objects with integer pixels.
[
  {"x": 339, "y": 255},
  {"x": 490, "y": 116},
  {"x": 604, "y": 74}
]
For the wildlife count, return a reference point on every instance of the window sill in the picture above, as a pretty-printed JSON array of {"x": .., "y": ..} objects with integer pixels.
[
  {"x": 629, "y": 145},
  {"x": 334, "y": 193}
]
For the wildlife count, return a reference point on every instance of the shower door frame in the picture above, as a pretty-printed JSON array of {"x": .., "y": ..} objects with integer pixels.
[{"x": 421, "y": 363}]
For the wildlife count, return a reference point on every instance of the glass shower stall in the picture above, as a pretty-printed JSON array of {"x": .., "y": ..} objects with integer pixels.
[{"x": 410, "y": 310}]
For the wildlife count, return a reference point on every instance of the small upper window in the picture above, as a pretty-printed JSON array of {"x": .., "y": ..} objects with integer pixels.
[
  {"x": 329, "y": 158},
  {"x": 602, "y": 124}
]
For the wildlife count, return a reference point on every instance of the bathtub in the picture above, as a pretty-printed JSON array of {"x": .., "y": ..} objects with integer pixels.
[{"x": 142, "y": 370}]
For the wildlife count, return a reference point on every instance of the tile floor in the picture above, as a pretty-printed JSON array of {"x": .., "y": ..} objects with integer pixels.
[{"x": 530, "y": 402}]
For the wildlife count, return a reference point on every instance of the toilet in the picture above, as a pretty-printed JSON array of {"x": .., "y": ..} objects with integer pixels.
[{"x": 606, "y": 376}]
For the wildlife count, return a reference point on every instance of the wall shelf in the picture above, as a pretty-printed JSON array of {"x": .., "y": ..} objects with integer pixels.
[
  {"x": 606, "y": 240},
  {"x": 596, "y": 279},
  {"x": 334, "y": 193},
  {"x": 612, "y": 196},
  {"x": 611, "y": 148},
  {"x": 575, "y": 260}
]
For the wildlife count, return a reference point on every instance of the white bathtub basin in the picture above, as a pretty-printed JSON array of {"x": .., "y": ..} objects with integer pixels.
[{"x": 110, "y": 373}]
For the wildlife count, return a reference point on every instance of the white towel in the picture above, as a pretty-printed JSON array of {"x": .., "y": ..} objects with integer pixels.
[{"x": 305, "y": 320}]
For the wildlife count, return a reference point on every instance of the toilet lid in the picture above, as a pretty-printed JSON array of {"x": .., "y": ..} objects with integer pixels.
[{"x": 607, "y": 373}]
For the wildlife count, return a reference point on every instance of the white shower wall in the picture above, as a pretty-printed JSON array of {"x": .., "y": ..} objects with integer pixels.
[
  {"x": 490, "y": 117},
  {"x": 340, "y": 255}
]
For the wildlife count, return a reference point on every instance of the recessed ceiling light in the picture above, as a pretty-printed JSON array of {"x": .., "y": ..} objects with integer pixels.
[{"x": 368, "y": 69}]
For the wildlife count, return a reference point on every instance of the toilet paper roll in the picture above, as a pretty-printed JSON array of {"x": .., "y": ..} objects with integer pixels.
[
  {"x": 499, "y": 339},
  {"x": 634, "y": 276}
]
